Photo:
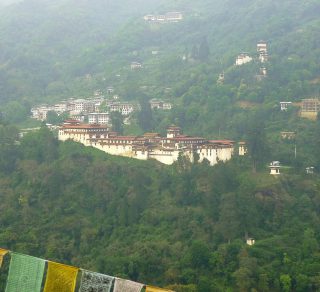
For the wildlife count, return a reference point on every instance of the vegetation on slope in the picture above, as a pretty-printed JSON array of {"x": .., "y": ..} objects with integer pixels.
[{"x": 182, "y": 226}]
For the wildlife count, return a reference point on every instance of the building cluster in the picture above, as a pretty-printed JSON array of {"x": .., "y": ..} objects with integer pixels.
[
  {"x": 263, "y": 57},
  {"x": 166, "y": 150},
  {"x": 309, "y": 107},
  {"x": 86, "y": 109},
  {"x": 164, "y": 18}
]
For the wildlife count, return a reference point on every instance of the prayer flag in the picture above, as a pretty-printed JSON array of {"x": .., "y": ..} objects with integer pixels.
[
  {"x": 121, "y": 285},
  {"x": 60, "y": 278},
  {"x": 95, "y": 282},
  {"x": 156, "y": 289},
  {"x": 3, "y": 252},
  {"x": 25, "y": 273}
]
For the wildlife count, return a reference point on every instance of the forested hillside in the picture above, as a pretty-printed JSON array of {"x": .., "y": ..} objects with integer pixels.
[
  {"x": 47, "y": 47},
  {"x": 182, "y": 227},
  {"x": 41, "y": 41}
]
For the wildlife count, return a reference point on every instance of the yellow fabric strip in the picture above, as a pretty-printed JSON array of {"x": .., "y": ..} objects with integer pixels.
[
  {"x": 3, "y": 252},
  {"x": 156, "y": 289},
  {"x": 60, "y": 278}
]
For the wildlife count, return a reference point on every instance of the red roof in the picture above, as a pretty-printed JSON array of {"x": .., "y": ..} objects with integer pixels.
[
  {"x": 226, "y": 142},
  {"x": 84, "y": 126}
]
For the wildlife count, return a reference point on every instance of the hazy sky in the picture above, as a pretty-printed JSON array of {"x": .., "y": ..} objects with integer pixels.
[{"x": 7, "y": 2}]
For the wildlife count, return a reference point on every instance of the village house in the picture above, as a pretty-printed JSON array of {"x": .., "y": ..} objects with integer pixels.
[
  {"x": 284, "y": 105},
  {"x": 250, "y": 241},
  {"x": 160, "y": 104},
  {"x": 150, "y": 17},
  {"x": 40, "y": 113},
  {"x": 274, "y": 168},
  {"x": 125, "y": 108},
  {"x": 263, "y": 71},
  {"x": 311, "y": 105},
  {"x": 135, "y": 65},
  {"x": 262, "y": 49},
  {"x": 263, "y": 57},
  {"x": 221, "y": 78},
  {"x": 310, "y": 108},
  {"x": 173, "y": 16},
  {"x": 60, "y": 108},
  {"x": 99, "y": 118},
  {"x": 110, "y": 90},
  {"x": 243, "y": 150},
  {"x": 242, "y": 59},
  {"x": 149, "y": 146},
  {"x": 262, "y": 46},
  {"x": 287, "y": 135}
]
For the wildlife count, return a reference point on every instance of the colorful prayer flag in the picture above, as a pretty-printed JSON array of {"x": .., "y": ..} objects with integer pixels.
[
  {"x": 156, "y": 289},
  {"x": 121, "y": 285},
  {"x": 3, "y": 252},
  {"x": 25, "y": 273},
  {"x": 95, "y": 282},
  {"x": 60, "y": 278}
]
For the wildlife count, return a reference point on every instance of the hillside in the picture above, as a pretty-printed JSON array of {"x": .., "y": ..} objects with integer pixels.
[
  {"x": 182, "y": 226},
  {"x": 60, "y": 42},
  {"x": 40, "y": 39}
]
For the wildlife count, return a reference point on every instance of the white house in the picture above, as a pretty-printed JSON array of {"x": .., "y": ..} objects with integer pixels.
[
  {"x": 135, "y": 65},
  {"x": 284, "y": 105},
  {"x": 242, "y": 59},
  {"x": 98, "y": 118}
]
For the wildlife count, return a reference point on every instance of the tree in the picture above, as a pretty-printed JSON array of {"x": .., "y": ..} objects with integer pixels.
[
  {"x": 145, "y": 120},
  {"x": 8, "y": 148},
  {"x": 257, "y": 141},
  {"x": 117, "y": 122},
  {"x": 285, "y": 281},
  {"x": 52, "y": 117},
  {"x": 15, "y": 112},
  {"x": 204, "y": 50},
  {"x": 229, "y": 216}
]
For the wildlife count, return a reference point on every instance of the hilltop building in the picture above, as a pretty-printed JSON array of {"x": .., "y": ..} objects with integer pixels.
[
  {"x": 149, "y": 146},
  {"x": 262, "y": 49}
]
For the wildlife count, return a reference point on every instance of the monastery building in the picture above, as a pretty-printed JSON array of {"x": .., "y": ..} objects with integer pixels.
[{"x": 149, "y": 146}]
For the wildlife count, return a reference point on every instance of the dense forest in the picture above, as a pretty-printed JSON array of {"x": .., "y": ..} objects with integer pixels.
[{"x": 182, "y": 226}]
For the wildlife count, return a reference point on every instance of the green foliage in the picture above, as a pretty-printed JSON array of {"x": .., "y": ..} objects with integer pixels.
[
  {"x": 182, "y": 227},
  {"x": 54, "y": 118},
  {"x": 117, "y": 122}
]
